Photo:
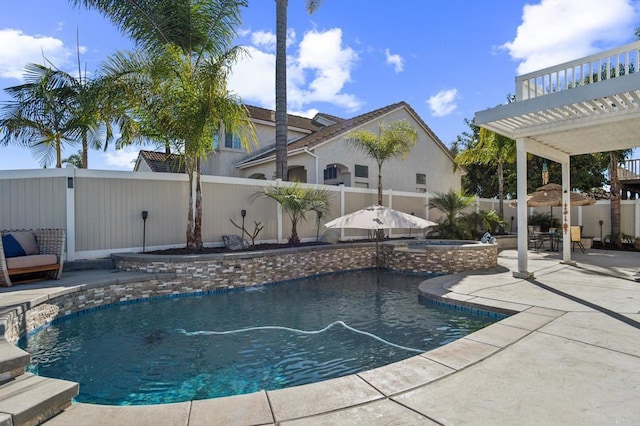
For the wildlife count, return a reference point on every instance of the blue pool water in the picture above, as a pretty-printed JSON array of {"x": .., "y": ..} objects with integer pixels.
[{"x": 171, "y": 350}]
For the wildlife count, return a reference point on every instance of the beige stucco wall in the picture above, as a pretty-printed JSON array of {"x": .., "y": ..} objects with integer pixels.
[
  {"x": 223, "y": 161},
  {"x": 427, "y": 157}
]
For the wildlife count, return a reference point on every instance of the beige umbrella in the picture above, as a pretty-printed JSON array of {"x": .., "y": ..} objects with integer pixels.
[
  {"x": 378, "y": 217},
  {"x": 550, "y": 195}
]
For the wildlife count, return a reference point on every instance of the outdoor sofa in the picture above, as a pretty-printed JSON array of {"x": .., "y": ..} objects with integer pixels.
[{"x": 30, "y": 255}]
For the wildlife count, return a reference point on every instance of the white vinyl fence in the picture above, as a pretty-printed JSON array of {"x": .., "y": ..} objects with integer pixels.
[{"x": 102, "y": 210}]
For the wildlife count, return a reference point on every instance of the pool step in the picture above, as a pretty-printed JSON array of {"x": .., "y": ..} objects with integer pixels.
[
  {"x": 31, "y": 399},
  {"x": 13, "y": 361}
]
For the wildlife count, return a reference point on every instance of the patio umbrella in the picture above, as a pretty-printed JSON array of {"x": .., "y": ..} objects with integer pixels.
[
  {"x": 378, "y": 217},
  {"x": 550, "y": 195}
]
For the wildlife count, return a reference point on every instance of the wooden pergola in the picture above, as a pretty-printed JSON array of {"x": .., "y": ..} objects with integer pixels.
[{"x": 583, "y": 106}]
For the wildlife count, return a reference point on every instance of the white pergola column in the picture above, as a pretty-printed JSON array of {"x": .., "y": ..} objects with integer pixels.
[{"x": 521, "y": 165}]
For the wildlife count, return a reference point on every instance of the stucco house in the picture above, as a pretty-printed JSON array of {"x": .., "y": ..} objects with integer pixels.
[{"x": 319, "y": 153}]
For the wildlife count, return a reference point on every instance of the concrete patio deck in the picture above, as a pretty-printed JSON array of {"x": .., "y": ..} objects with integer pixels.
[{"x": 571, "y": 356}]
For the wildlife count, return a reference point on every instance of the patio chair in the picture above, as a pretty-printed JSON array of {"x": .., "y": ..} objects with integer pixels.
[
  {"x": 576, "y": 238},
  {"x": 534, "y": 238}
]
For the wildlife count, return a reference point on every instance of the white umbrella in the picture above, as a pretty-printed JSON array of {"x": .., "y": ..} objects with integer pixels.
[{"x": 378, "y": 217}]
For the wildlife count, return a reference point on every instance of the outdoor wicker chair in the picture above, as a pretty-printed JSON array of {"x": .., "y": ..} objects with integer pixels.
[{"x": 42, "y": 259}]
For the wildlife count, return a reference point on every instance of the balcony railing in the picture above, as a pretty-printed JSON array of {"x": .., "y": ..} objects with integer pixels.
[
  {"x": 629, "y": 170},
  {"x": 588, "y": 70}
]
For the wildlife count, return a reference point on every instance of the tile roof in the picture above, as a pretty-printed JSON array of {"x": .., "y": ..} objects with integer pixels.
[
  {"x": 162, "y": 162},
  {"x": 345, "y": 126},
  {"x": 264, "y": 114}
]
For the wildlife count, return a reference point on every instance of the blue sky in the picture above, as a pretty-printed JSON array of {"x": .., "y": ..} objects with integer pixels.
[{"x": 446, "y": 59}]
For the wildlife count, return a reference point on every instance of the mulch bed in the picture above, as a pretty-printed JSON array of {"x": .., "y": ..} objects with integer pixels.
[{"x": 212, "y": 250}]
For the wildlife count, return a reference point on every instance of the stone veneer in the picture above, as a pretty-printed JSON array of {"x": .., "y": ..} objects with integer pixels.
[
  {"x": 217, "y": 271},
  {"x": 441, "y": 259},
  {"x": 174, "y": 275}
]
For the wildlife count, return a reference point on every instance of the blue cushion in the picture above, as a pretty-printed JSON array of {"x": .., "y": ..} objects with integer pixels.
[{"x": 12, "y": 247}]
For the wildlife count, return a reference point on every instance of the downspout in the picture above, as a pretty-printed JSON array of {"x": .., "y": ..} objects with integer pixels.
[{"x": 316, "y": 158}]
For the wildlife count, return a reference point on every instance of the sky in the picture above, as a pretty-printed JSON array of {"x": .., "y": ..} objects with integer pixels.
[{"x": 447, "y": 59}]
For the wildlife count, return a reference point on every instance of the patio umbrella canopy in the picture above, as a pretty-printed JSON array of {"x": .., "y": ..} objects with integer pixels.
[
  {"x": 550, "y": 195},
  {"x": 378, "y": 217}
]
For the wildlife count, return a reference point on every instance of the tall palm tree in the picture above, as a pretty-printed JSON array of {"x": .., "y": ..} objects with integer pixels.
[
  {"x": 297, "y": 201},
  {"x": 393, "y": 140},
  {"x": 173, "y": 89},
  {"x": 39, "y": 114},
  {"x": 53, "y": 108},
  {"x": 491, "y": 148},
  {"x": 281, "y": 83}
]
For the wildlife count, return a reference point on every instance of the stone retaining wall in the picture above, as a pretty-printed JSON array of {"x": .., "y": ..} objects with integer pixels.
[
  {"x": 218, "y": 271},
  {"x": 442, "y": 259}
]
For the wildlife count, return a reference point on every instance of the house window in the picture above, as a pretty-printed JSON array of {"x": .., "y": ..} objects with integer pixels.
[
  {"x": 331, "y": 172},
  {"x": 362, "y": 171},
  {"x": 232, "y": 141},
  {"x": 421, "y": 179}
]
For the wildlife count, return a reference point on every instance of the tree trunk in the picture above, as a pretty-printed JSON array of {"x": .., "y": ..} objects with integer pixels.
[
  {"x": 281, "y": 89},
  {"x": 294, "y": 239},
  {"x": 379, "y": 184},
  {"x": 500, "y": 190},
  {"x": 197, "y": 230},
  {"x": 615, "y": 200},
  {"x": 85, "y": 154},
  {"x": 58, "y": 154},
  {"x": 380, "y": 232}
]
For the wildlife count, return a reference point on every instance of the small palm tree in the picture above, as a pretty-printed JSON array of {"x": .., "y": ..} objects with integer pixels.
[
  {"x": 393, "y": 140},
  {"x": 297, "y": 201},
  {"x": 75, "y": 160},
  {"x": 454, "y": 223}
]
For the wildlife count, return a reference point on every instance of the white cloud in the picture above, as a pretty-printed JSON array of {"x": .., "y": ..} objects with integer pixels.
[
  {"x": 253, "y": 78},
  {"x": 124, "y": 158},
  {"x": 396, "y": 60},
  {"x": 443, "y": 103},
  {"x": 18, "y": 49},
  {"x": 264, "y": 39},
  {"x": 556, "y": 31},
  {"x": 317, "y": 71},
  {"x": 310, "y": 113}
]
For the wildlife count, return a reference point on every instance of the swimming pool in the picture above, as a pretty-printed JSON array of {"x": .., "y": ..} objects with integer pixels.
[{"x": 167, "y": 350}]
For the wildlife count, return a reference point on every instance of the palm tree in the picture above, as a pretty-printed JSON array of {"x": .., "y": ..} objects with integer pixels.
[
  {"x": 297, "y": 201},
  {"x": 491, "y": 148},
  {"x": 75, "y": 160},
  {"x": 393, "y": 140},
  {"x": 452, "y": 204},
  {"x": 281, "y": 83},
  {"x": 39, "y": 115},
  {"x": 53, "y": 108},
  {"x": 173, "y": 90}
]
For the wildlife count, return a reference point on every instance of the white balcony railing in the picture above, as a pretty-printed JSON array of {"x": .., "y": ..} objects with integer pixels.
[
  {"x": 629, "y": 170},
  {"x": 588, "y": 70}
]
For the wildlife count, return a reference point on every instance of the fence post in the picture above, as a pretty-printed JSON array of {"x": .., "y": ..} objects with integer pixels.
[
  {"x": 342, "y": 208},
  {"x": 70, "y": 213},
  {"x": 390, "y": 206},
  {"x": 636, "y": 211}
]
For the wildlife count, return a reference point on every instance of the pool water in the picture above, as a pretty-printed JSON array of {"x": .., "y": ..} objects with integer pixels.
[{"x": 169, "y": 350}]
